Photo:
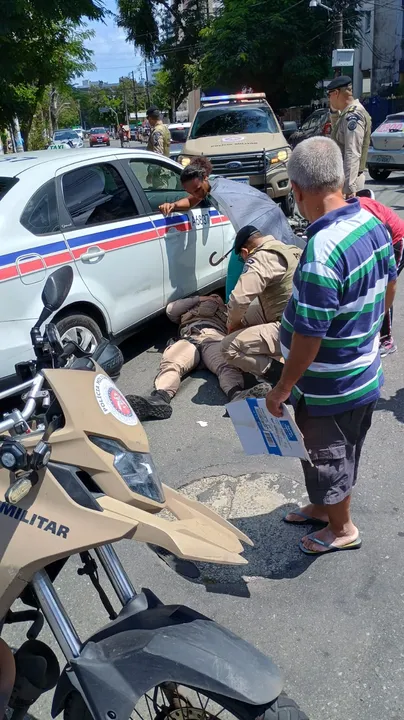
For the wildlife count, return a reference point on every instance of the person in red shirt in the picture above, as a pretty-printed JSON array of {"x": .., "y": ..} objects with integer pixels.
[{"x": 395, "y": 226}]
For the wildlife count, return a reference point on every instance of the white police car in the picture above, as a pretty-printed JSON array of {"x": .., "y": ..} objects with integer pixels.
[
  {"x": 100, "y": 214},
  {"x": 386, "y": 152}
]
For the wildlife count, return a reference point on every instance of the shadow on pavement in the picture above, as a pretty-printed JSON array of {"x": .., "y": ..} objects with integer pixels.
[
  {"x": 394, "y": 404},
  {"x": 275, "y": 555},
  {"x": 151, "y": 338}
]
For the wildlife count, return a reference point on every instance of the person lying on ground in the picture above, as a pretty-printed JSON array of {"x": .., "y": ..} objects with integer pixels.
[
  {"x": 395, "y": 226},
  {"x": 345, "y": 281},
  {"x": 257, "y": 302},
  {"x": 202, "y": 326},
  {"x": 239, "y": 202}
]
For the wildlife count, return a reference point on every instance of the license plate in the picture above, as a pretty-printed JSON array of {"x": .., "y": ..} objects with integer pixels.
[
  {"x": 382, "y": 158},
  {"x": 99, "y": 140},
  {"x": 245, "y": 180}
]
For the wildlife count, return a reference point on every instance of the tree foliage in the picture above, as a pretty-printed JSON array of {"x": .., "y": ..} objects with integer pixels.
[
  {"x": 162, "y": 28},
  {"x": 282, "y": 48},
  {"x": 41, "y": 45}
]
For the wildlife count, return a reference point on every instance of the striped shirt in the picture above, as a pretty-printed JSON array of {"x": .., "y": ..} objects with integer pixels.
[{"x": 338, "y": 295}]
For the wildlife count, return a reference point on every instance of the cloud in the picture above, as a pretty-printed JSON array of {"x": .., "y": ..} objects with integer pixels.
[{"x": 113, "y": 56}]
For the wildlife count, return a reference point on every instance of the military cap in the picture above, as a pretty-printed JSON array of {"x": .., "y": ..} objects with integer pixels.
[
  {"x": 153, "y": 111},
  {"x": 339, "y": 82},
  {"x": 243, "y": 236}
]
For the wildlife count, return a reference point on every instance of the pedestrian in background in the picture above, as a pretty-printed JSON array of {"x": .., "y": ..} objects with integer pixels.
[
  {"x": 344, "y": 282},
  {"x": 395, "y": 226},
  {"x": 351, "y": 129}
]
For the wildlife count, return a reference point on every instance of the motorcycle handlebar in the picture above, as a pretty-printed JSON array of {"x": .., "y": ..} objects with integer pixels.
[{"x": 30, "y": 405}]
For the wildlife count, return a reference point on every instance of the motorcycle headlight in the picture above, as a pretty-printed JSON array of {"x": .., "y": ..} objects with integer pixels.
[
  {"x": 184, "y": 160},
  {"x": 135, "y": 468}
]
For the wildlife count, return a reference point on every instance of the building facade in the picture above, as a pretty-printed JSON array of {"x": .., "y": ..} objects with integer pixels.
[{"x": 379, "y": 56}]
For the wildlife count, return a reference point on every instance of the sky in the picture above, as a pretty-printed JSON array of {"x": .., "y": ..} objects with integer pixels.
[{"x": 112, "y": 55}]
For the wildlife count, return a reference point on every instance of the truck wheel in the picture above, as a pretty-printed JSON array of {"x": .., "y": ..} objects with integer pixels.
[
  {"x": 378, "y": 173},
  {"x": 81, "y": 329},
  {"x": 288, "y": 204}
]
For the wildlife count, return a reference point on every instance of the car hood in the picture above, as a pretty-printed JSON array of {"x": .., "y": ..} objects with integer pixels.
[{"x": 234, "y": 144}]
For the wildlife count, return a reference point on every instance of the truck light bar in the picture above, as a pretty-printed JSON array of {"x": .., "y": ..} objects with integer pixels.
[{"x": 239, "y": 96}]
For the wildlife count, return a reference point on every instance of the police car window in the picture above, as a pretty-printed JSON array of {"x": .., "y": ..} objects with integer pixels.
[
  {"x": 161, "y": 183},
  {"x": 40, "y": 215},
  {"x": 97, "y": 194},
  {"x": 233, "y": 121}
]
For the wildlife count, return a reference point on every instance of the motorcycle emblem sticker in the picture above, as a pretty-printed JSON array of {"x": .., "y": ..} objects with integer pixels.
[{"x": 112, "y": 401}]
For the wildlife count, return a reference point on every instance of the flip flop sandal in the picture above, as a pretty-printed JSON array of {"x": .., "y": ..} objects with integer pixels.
[
  {"x": 355, "y": 545},
  {"x": 307, "y": 520}
]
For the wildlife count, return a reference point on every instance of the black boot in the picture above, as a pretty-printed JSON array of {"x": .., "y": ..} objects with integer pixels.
[{"x": 155, "y": 406}]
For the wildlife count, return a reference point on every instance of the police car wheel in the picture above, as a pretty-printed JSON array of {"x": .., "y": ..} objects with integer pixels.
[
  {"x": 81, "y": 329},
  {"x": 379, "y": 173},
  {"x": 288, "y": 204}
]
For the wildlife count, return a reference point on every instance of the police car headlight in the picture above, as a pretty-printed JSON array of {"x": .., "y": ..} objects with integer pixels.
[
  {"x": 135, "y": 468},
  {"x": 184, "y": 160}
]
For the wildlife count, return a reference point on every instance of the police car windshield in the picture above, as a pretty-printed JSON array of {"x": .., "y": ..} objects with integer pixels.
[{"x": 219, "y": 120}]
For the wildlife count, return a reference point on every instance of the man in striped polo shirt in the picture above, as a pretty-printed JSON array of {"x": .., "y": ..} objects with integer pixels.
[{"x": 343, "y": 284}]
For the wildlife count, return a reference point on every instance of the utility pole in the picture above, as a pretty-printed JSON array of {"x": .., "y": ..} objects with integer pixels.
[
  {"x": 134, "y": 94},
  {"x": 147, "y": 82},
  {"x": 339, "y": 37},
  {"x": 125, "y": 102}
]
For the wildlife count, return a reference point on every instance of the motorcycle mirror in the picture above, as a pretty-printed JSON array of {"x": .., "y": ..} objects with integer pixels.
[{"x": 55, "y": 292}]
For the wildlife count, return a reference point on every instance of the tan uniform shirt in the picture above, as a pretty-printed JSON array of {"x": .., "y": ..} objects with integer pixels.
[
  {"x": 350, "y": 131},
  {"x": 192, "y": 313},
  {"x": 258, "y": 272},
  {"x": 159, "y": 140}
]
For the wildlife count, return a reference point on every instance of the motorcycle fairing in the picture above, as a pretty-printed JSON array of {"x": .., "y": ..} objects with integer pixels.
[{"x": 166, "y": 643}]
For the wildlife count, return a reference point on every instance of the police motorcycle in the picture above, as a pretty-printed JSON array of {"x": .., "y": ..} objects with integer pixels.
[{"x": 76, "y": 476}]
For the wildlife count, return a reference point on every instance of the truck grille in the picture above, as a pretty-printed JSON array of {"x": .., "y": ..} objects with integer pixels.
[{"x": 251, "y": 164}]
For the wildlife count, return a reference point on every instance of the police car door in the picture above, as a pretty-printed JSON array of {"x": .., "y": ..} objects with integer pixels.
[
  {"x": 115, "y": 246},
  {"x": 187, "y": 239}
]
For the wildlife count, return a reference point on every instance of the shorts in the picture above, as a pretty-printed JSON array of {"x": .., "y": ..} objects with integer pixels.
[{"x": 334, "y": 443}]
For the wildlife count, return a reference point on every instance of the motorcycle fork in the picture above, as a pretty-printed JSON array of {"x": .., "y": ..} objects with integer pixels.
[{"x": 54, "y": 611}]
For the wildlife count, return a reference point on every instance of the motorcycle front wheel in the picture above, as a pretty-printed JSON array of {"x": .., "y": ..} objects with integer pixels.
[{"x": 170, "y": 701}]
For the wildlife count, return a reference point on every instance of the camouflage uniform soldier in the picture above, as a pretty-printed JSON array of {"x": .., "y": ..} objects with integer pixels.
[
  {"x": 351, "y": 129},
  {"x": 159, "y": 142}
]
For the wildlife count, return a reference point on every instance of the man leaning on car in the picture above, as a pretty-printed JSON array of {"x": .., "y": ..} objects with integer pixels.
[{"x": 351, "y": 130}]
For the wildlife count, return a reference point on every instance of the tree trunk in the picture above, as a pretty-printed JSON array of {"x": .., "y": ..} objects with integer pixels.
[{"x": 53, "y": 110}]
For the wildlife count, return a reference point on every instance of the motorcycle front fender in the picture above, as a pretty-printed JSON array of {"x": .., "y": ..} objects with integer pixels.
[{"x": 165, "y": 643}]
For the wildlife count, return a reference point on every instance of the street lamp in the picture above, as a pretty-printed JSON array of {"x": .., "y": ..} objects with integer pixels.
[{"x": 318, "y": 3}]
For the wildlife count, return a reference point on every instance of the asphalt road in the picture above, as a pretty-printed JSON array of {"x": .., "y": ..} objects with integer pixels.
[{"x": 334, "y": 623}]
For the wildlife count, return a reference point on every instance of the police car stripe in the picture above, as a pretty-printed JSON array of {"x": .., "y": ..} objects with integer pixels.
[{"x": 56, "y": 253}]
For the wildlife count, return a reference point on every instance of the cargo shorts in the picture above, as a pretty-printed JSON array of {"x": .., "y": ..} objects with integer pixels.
[{"x": 334, "y": 443}]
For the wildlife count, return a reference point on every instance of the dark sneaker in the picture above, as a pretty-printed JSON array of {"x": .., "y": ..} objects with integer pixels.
[
  {"x": 258, "y": 391},
  {"x": 387, "y": 347},
  {"x": 155, "y": 406}
]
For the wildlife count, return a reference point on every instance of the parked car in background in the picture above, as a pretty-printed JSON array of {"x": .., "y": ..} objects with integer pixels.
[
  {"x": 99, "y": 136},
  {"x": 67, "y": 136},
  {"x": 79, "y": 130},
  {"x": 99, "y": 213},
  {"x": 144, "y": 133},
  {"x": 318, "y": 123},
  {"x": 386, "y": 152},
  {"x": 179, "y": 133}
]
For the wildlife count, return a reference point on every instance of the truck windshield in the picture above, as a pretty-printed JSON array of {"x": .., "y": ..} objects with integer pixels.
[{"x": 233, "y": 121}]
